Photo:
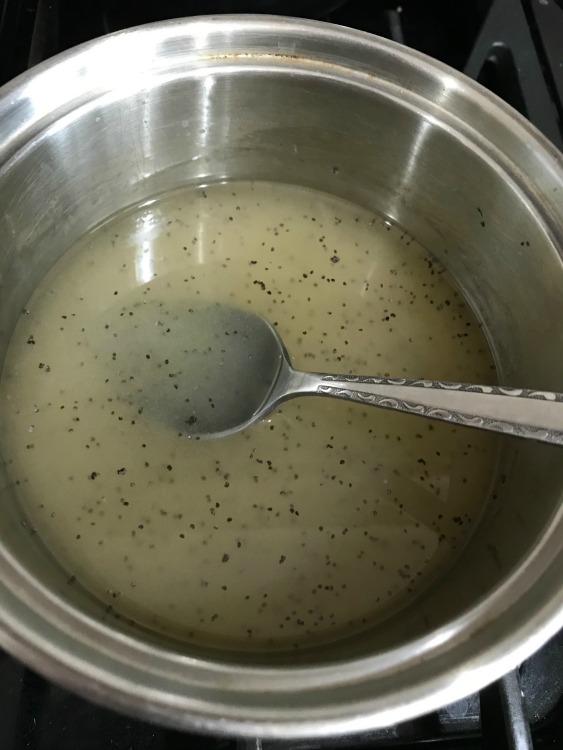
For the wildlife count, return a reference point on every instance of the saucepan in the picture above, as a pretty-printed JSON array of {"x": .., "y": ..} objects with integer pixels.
[{"x": 141, "y": 112}]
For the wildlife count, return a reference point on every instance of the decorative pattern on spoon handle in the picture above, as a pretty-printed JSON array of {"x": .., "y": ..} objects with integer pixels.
[{"x": 452, "y": 416}]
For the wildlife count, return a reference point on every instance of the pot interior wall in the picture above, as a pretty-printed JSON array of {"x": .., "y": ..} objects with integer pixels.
[{"x": 377, "y": 149}]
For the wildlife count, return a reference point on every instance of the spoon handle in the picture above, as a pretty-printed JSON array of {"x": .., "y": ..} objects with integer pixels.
[{"x": 515, "y": 411}]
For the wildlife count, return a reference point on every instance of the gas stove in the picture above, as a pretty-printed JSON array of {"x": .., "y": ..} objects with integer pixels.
[{"x": 513, "y": 47}]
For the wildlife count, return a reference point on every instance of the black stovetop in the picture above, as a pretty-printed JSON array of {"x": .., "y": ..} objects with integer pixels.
[{"x": 515, "y": 48}]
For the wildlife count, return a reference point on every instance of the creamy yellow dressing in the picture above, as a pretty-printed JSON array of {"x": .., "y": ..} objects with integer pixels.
[{"x": 306, "y": 527}]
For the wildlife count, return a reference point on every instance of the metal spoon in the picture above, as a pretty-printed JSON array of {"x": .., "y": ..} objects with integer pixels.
[{"x": 231, "y": 369}]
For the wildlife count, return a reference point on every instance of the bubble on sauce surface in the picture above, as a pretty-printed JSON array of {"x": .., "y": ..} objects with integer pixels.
[{"x": 264, "y": 539}]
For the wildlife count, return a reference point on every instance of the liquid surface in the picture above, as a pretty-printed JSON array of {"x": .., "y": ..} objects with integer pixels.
[{"x": 308, "y": 526}]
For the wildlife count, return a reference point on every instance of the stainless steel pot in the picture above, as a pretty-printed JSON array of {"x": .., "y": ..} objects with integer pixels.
[{"x": 138, "y": 113}]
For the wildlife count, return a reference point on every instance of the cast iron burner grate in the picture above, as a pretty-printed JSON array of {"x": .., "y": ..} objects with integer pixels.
[{"x": 513, "y": 47}]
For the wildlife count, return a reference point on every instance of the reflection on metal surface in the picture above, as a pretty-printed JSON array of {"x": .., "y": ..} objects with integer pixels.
[
  {"x": 144, "y": 263},
  {"x": 203, "y": 137},
  {"x": 144, "y": 257},
  {"x": 56, "y": 86},
  {"x": 412, "y": 164}
]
